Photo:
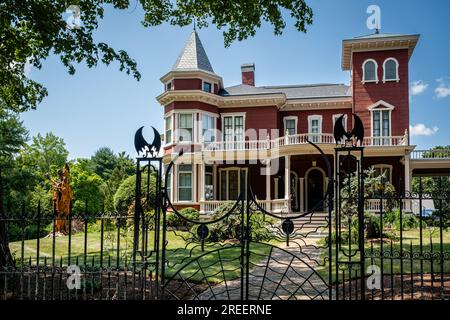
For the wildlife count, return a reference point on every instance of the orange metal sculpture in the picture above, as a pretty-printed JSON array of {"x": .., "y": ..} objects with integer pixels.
[{"x": 62, "y": 198}]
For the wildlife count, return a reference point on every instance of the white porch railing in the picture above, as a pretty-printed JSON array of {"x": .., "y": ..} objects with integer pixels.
[
  {"x": 374, "y": 205},
  {"x": 431, "y": 154},
  {"x": 298, "y": 139},
  {"x": 276, "y": 205}
]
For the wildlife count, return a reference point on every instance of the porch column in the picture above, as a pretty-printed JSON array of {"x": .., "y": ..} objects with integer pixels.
[
  {"x": 276, "y": 191},
  {"x": 287, "y": 174},
  {"x": 215, "y": 186},
  {"x": 301, "y": 187},
  {"x": 202, "y": 186},
  {"x": 175, "y": 183},
  {"x": 268, "y": 196},
  {"x": 407, "y": 173}
]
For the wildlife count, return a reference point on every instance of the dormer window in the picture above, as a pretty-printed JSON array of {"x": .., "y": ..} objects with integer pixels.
[
  {"x": 390, "y": 70},
  {"x": 207, "y": 86},
  {"x": 370, "y": 69}
]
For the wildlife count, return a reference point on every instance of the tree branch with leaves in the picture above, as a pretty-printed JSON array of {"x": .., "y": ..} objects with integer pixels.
[{"x": 31, "y": 30}]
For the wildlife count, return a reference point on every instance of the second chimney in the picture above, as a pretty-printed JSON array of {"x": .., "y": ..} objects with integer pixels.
[{"x": 248, "y": 74}]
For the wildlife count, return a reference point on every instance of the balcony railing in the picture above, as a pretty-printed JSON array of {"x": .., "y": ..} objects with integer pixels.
[
  {"x": 298, "y": 139},
  {"x": 431, "y": 154}
]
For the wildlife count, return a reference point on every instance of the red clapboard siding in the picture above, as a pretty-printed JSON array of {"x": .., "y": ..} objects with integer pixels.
[{"x": 395, "y": 93}]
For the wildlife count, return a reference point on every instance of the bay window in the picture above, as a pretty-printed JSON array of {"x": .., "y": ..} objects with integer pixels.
[
  {"x": 168, "y": 129},
  {"x": 208, "y": 128},
  {"x": 185, "y": 127},
  {"x": 185, "y": 182}
]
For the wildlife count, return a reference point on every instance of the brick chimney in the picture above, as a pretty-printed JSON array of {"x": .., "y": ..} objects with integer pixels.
[{"x": 248, "y": 74}]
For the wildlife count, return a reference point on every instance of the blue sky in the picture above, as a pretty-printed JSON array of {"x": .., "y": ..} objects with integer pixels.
[{"x": 104, "y": 107}]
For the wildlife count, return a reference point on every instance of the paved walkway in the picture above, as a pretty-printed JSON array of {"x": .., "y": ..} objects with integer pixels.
[{"x": 287, "y": 273}]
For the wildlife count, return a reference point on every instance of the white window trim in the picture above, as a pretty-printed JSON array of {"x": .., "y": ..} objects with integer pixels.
[
  {"x": 364, "y": 72},
  {"x": 397, "y": 79},
  {"x": 227, "y": 179},
  {"x": 383, "y": 166},
  {"x": 310, "y": 119},
  {"x": 171, "y": 85},
  {"x": 196, "y": 124},
  {"x": 212, "y": 86},
  {"x": 193, "y": 183},
  {"x": 194, "y": 127},
  {"x": 232, "y": 114},
  {"x": 384, "y": 107},
  {"x": 208, "y": 114},
  {"x": 285, "y": 119},
  {"x": 168, "y": 143},
  {"x": 336, "y": 116}
]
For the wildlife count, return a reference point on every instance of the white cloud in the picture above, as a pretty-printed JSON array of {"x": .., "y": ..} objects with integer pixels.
[
  {"x": 443, "y": 89},
  {"x": 418, "y": 87},
  {"x": 422, "y": 130}
]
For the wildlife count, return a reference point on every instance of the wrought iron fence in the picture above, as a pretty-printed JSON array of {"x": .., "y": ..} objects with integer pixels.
[{"x": 93, "y": 260}]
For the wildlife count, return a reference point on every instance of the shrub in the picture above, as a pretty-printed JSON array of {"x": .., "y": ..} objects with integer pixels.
[
  {"x": 390, "y": 217},
  {"x": 409, "y": 222},
  {"x": 125, "y": 195},
  {"x": 229, "y": 228},
  {"x": 175, "y": 221}
]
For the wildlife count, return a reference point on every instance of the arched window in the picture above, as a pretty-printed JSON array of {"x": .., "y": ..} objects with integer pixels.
[
  {"x": 370, "y": 71},
  {"x": 390, "y": 70}
]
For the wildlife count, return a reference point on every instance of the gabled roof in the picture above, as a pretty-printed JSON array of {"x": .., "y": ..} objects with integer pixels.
[
  {"x": 309, "y": 91},
  {"x": 193, "y": 56}
]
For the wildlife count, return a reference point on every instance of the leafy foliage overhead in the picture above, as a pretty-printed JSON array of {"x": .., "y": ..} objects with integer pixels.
[{"x": 31, "y": 30}]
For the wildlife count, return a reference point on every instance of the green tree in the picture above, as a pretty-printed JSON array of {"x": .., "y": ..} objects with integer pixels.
[
  {"x": 103, "y": 162},
  {"x": 31, "y": 30},
  {"x": 45, "y": 155},
  {"x": 126, "y": 193},
  {"x": 87, "y": 188},
  {"x": 124, "y": 168},
  {"x": 13, "y": 136}
]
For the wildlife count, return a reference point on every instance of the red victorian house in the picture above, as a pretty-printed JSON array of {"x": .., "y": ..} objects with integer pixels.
[{"x": 225, "y": 129}]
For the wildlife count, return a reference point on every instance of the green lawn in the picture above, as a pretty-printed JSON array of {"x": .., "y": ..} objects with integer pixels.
[
  {"x": 180, "y": 254},
  {"x": 394, "y": 265}
]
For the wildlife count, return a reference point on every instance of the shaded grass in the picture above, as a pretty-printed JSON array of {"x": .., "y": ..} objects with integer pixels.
[
  {"x": 86, "y": 250},
  {"x": 419, "y": 257}
]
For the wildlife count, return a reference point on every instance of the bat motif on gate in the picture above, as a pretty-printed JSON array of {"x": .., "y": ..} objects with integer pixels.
[
  {"x": 357, "y": 133},
  {"x": 145, "y": 148}
]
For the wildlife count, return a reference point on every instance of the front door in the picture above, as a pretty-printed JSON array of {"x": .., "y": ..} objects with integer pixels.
[{"x": 315, "y": 189}]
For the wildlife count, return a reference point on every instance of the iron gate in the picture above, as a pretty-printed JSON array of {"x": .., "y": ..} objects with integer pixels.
[{"x": 240, "y": 251}]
